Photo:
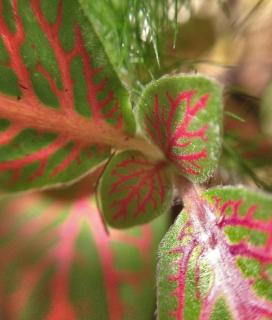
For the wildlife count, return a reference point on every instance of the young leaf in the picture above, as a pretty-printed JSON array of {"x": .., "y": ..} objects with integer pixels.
[
  {"x": 58, "y": 263},
  {"x": 134, "y": 190},
  {"x": 182, "y": 115},
  {"x": 216, "y": 261},
  {"x": 61, "y": 102}
]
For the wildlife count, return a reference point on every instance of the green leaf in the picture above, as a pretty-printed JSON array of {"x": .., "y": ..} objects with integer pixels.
[
  {"x": 216, "y": 260},
  {"x": 57, "y": 262},
  {"x": 61, "y": 103},
  {"x": 134, "y": 190},
  {"x": 182, "y": 115}
]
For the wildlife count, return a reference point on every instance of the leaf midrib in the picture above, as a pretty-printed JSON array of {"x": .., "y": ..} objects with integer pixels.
[{"x": 72, "y": 126}]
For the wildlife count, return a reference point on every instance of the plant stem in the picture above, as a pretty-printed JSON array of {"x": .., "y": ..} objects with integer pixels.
[
  {"x": 191, "y": 196},
  {"x": 141, "y": 144}
]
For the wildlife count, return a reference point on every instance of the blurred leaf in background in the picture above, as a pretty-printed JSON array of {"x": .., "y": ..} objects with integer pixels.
[{"x": 57, "y": 260}]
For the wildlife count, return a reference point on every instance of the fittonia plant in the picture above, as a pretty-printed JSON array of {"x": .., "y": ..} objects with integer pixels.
[{"x": 63, "y": 114}]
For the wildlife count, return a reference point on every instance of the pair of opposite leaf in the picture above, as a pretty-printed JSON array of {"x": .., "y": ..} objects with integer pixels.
[
  {"x": 63, "y": 110},
  {"x": 182, "y": 117}
]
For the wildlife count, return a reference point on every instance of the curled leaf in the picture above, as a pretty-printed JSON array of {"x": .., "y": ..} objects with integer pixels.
[{"x": 183, "y": 116}]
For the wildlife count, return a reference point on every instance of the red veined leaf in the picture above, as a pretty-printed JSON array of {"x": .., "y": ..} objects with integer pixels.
[
  {"x": 61, "y": 103},
  {"x": 182, "y": 115},
  {"x": 216, "y": 261},
  {"x": 134, "y": 190},
  {"x": 57, "y": 262}
]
